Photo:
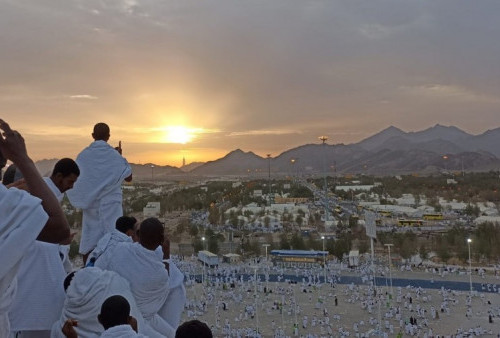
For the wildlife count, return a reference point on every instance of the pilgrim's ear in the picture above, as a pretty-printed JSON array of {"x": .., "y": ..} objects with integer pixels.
[{"x": 132, "y": 322}]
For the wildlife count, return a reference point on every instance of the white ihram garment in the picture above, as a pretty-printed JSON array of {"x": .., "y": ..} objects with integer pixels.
[
  {"x": 89, "y": 288},
  {"x": 121, "y": 331},
  {"x": 40, "y": 292},
  {"x": 21, "y": 220},
  {"x": 98, "y": 191},
  {"x": 149, "y": 281},
  {"x": 176, "y": 299},
  {"x": 104, "y": 250}
]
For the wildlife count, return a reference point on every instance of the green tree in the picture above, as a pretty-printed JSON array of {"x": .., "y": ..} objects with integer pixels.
[
  {"x": 297, "y": 242},
  {"x": 284, "y": 242}
]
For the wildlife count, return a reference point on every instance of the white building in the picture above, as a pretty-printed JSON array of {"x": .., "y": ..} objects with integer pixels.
[{"x": 152, "y": 209}]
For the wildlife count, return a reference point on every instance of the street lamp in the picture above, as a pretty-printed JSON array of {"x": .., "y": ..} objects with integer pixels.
[
  {"x": 469, "y": 241},
  {"x": 203, "y": 239},
  {"x": 323, "y": 139},
  {"x": 266, "y": 246},
  {"x": 204, "y": 263},
  {"x": 269, "y": 175},
  {"x": 324, "y": 258},
  {"x": 390, "y": 270},
  {"x": 152, "y": 172}
]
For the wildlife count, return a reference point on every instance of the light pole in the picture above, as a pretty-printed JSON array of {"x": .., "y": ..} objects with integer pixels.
[
  {"x": 269, "y": 175},
  {"x": 152, "y": 172},
  {"x": 390, "y": 264},
  {"x": 203, "y": 275},
  {"x": 324, "y": 139},
  {"x": 469, "y": 241},
  {"x": 324, "y": 259},
  {"x": 266, "y": 246},
  {"x": 292, "y": 174}
]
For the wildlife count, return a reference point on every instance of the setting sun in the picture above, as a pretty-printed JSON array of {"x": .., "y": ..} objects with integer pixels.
[{"x": 178, "y": 134}]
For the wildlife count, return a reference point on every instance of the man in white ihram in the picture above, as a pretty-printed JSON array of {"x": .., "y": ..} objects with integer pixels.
[
  {"x": 24, "y": 218},
  {"x": 40, "y": 294},
  {"x": 98, "y": 189},
  {"x": 145, "y": 266}
]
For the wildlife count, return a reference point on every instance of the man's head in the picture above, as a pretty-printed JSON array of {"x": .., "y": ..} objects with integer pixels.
[
  {"x": 65, "y": 174},
  {"x": 101, "y": 132},
  {"x": 151, "y": 233},
  {"x": 114, "y": 311},
  {"x": 193, "y": 328},
  {"x": 126, "y": 225},
  {"x": 11, "y": 174}
]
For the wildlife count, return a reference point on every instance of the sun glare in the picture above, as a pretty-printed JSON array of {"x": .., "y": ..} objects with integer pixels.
[{"x": 178, "y": 134}]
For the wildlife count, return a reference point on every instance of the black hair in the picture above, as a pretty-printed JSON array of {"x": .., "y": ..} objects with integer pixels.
[
  {"x": 114, "y": 311},
  {"x": 68, "y": 279},
  {"x": 10, "y": 174},
  {"x": 150, "y": 232},
  {"x": 193, "y": 328},
  {"x": 66, "y": 167},
  {"x": 125, "y": 223},
  {"x": 101, "y": 131}
]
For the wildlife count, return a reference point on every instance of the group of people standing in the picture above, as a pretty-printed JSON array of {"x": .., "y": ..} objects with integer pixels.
[{"x": 135, "y": 292}]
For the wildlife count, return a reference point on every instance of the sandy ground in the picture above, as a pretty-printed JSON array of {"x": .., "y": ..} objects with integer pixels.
[{"x": 316, "y": 300}]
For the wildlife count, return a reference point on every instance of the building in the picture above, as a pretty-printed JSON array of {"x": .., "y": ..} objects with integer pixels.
[
  {"x": 152, "y": 209},
  {"x": 298, "y": 258},
  {"x": 208, "y": 258},
  {"x": 288, "y": 200},
  {"x": 353, "y": 258},
  {"x": 231, "y": 258}
]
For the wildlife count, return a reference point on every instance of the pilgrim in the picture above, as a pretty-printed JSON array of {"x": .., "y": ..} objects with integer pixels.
[
  {"x": 143, "y": 265},
  {"x": 98, "y": 190}
]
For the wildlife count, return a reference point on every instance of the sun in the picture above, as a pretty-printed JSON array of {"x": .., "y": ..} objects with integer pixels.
[{"x": 178, "y": 134}]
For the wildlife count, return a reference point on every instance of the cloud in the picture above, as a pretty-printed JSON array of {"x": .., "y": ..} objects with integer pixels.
[
  {"x": 263, "y": 132},
  {"x": 83, "y": 97},
  {"x": 452, "y": 92}
]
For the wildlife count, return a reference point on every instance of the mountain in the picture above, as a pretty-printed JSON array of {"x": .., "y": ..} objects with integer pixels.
[
  {"x": 46, "y": 166},
  {"x": 380, "y": 138},
  {"x": 438, "y": 148},
  {"x": 139, "y": 171},
  {"x": 150, "y": 171},
  {"x": 237, "y": 162},
  {"x": 191, "y": 166},
  {"x": 446, "y": 133},
  {"x": 392, "y": 150},
  {"x": 488, "y": 141}
]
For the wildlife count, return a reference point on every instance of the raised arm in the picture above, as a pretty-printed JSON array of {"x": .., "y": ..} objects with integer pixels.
[{"x": 13, "y": 148}]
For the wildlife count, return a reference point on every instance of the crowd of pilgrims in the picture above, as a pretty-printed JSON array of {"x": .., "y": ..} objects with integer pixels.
[{"x": 236, "y": 303}]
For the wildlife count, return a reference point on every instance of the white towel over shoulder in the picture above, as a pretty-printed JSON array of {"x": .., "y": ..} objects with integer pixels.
[
  {"x": 104, "y": 250},
  {"x": 21, "y": 220},
  {"x": 102, "y": 170},
  {"x": 121, "y": 331},
  {"x": 89, "y": 288}
]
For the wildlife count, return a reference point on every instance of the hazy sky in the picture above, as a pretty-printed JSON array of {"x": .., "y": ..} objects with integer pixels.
[{"x": 263, "y": 76}]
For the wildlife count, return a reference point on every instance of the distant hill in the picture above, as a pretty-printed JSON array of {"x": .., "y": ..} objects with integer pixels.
[
  {"x": 191, "y": 166},
  {"x": 391, "y": 151}
]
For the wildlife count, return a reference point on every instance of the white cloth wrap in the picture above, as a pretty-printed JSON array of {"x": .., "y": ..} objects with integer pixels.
[
  {"x": 172, "y": 310},
  {"x": 149, "y": 281},
  {"x": 40, "y": 292},
  {"x": 21, "y": 220},
  {"x": 102, "y": 170},
  {"x": 104, "y": 250},
  {"x": 98, "y": 191},
  {"x": 121, "y": 331},
  {"x": 89, "y": 288}
]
